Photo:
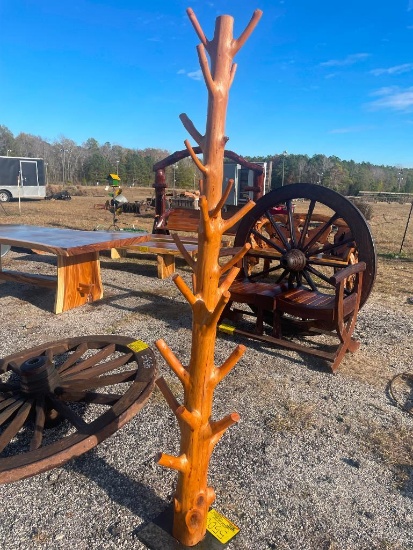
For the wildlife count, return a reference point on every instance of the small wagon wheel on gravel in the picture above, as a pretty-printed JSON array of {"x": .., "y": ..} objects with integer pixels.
[
  {"x": 301, "y": 234},
  {"x": 60, "y": 399}
]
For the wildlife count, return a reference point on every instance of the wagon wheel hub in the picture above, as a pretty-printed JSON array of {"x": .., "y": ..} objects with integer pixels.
[
  {"x": 294, "y": 260},
  {"x": 38, "y": 376}
]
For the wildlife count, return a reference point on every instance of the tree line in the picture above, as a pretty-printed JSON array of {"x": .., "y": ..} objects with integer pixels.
[
  {"x": 345, "y": 176},
  {"x": 89, "y": 163}
]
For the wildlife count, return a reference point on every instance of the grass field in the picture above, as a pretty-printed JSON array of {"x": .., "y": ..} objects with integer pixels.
[{"x": 388, "y": 225}]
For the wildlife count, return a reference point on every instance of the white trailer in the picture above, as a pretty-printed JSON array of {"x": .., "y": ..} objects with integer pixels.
[{"x": 22, "y": 177}]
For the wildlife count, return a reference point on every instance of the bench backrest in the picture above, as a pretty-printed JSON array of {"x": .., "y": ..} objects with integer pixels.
[{"x": 184, "y": 219}]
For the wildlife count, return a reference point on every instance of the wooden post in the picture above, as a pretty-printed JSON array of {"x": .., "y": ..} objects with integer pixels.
[
  {"x": 160, "y": 192},
  {"x": 199, "y": 433}
]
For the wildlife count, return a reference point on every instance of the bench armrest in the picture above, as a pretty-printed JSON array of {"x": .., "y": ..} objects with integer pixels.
[{"x": 347, "y": 272}]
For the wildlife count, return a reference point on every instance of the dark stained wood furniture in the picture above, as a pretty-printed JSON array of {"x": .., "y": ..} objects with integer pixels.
[
  {"x": 311, "y": 266},
  {"x": 186, "y": 220},
  {"x": 62, "y": 398},
  {"x": 309, "y": 311},
  {"x": 78, "y": 278}
]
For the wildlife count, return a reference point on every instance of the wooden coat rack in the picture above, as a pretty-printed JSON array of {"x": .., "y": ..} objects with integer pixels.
[{"x": 209, "y": 295}]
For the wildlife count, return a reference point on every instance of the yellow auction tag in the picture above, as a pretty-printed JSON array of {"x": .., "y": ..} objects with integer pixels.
[
  {"x": 138, "y": 345},
  {"x": 228, "y": 329},
  {"x": 221, "y": 527}
]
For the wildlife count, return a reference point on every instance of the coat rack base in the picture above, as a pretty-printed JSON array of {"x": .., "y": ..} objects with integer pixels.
[{"x": 157, "y": 535}]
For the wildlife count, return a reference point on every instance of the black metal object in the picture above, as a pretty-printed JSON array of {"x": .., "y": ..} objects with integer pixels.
[
  {"x": 157, "y": 535},
  {"x": 407, "y": 225},
  {"x": 59, "y": 196}
]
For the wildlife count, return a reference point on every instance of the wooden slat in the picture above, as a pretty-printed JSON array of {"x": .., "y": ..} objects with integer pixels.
[
  {"x": 155, "y": 247},
  {"x": 285, "y": 344},
  {"x": 29, "y": 278}
]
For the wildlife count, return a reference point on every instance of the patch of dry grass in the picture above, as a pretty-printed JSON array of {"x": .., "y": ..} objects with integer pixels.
[
  {"x": 388, "y": 225},
  {"x": 394, "y": 277},
  {"x": 292, "y": 416},
  {"x": 368, "y": 369},
  {"x": 394, "y": 447}
]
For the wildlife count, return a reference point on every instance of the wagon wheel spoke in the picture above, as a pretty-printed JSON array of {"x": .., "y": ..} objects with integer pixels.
[
  {"x": 306, "y": 223},
  {"x": 99, "y": 369},
  {"x": 49, "y": 354},
  {"x": 320, "y": 231},
  {"x": 23, "y": 410},
  {"x": 268, "y": 241},
  {"x": 319, "y": 274},
  {"x": 291, "y": 279},
  {"x": 291, "y": 223},
  {"x": 91, "y": 361},
  {"x": 72, "y": 359},
  {"x": 333, "y": 246},
  {"x": 309, "y": 280},
  {"x": 69, "y": 414},
  {"x": 39, "y": 425},
  {"x": 280, "y": 234},
  {"x": 265, "y": 271},
  {"x": 9, "y": 402},
  {"x": 282, "y": 276},
  {"x": 100, "y": 382}
]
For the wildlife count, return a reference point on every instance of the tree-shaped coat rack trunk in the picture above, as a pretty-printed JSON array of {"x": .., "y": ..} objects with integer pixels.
[{"x": 207, "y": 298}]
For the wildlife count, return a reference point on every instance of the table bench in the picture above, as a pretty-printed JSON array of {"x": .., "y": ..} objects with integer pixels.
[
  {"x": 165, "y": 249},
  {"x": 78, "y": 279},
  {"x": 161, "y": 243}
]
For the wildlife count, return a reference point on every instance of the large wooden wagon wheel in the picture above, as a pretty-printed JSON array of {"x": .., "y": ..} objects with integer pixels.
[
  {"x": 301, "y": 234},
  {"x": 60, "y": 399}
]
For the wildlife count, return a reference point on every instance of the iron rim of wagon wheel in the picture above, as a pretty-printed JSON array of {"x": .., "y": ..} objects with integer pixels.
[
  {"x": 301, "y": 234},
  {"x": 60, "y": 399}
]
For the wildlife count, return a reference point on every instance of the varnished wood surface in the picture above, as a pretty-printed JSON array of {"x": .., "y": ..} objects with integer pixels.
[
  {"x": 187, "y": 219},
  {"x": 78, "y": 278},
  {"x": 208, "y": 296},
  {"x": 67, "y": 242}
]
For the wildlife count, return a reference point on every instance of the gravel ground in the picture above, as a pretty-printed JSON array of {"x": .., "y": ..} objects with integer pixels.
[{"x": 318, "y": 461}]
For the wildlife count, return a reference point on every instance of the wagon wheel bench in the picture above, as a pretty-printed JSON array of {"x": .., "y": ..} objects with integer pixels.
[
  {"x": 60, "y": 399},
  {"x": 311, "y": 266},
  {"x": 78, "y": 279}
]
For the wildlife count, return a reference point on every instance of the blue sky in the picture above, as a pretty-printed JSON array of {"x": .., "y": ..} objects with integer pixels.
[{"x": 315, "y": 77}]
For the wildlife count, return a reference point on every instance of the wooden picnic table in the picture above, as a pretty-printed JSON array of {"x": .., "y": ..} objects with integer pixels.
[{"x": 78, "y": 278}]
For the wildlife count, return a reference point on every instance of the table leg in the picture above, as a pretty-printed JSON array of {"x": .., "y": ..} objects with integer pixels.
[{"x": 78, "y": 281}]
